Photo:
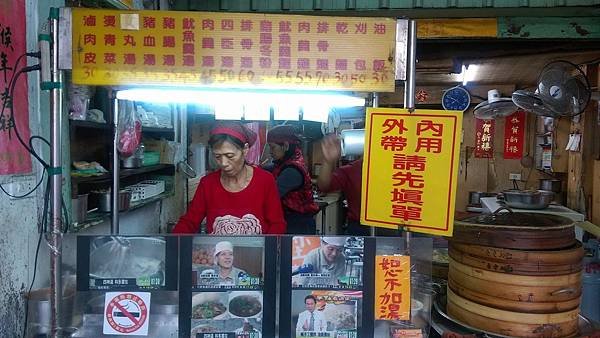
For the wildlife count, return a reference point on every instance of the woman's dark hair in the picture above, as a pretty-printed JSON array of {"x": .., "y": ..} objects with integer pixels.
[
  {"x": 218, "y": 139},
  {"x": 290, "y": 152},
  {"x": 310, "y": 297}
]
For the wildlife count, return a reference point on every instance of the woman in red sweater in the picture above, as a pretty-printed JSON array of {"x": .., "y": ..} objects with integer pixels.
[
  {"x": 293, "y": 180},
  {"x": 237, "y": 199}
]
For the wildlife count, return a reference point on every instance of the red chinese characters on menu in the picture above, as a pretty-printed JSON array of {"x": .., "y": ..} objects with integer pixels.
[
  {"x": 391, "y": 299},
  {"x": 484, "y": 138},
  {"x": 514, "y": 135},
  {"x": 249, "y": 49},
  {"x": 392, "y": 286},
  {"x": 408, "y": 167}
]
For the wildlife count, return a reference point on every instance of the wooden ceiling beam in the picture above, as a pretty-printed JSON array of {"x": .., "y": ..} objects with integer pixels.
[{"x": 432, "y": 95}]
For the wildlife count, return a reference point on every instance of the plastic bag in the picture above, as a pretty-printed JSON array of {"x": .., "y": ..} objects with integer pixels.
[
  {"x": 79, "y": 101},
  {"x": 130, "y": 129}
]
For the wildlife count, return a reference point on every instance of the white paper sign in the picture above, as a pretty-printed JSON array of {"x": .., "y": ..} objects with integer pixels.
[{"x": 126, "y": 313}]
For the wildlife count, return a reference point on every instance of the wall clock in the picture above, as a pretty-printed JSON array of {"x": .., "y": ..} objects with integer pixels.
[{"x": 456, "y": 98}]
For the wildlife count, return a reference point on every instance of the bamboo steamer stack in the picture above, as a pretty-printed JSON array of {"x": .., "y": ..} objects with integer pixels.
[{"x": 516, "y": 274}]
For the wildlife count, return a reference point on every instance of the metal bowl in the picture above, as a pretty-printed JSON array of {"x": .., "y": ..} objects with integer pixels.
[{"x": 530, "y": 199}]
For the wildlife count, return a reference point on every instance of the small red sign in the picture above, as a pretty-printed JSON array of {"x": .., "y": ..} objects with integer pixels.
[
  {"x": 514, "y": 135},
  {"x": 422, "y": 96},
  {"x": 484, "y": 138}
]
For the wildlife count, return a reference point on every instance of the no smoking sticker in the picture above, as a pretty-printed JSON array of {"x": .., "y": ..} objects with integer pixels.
[{"x": 126, "y": 313}]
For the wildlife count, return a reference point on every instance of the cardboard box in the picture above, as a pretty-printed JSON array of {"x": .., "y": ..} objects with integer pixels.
[{"x": 170, "y": 151}]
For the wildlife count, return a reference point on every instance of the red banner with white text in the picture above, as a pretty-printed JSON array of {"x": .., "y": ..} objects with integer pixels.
[
  {"x": 14, "y": 112},
  {"x": 484, "y": 138}
]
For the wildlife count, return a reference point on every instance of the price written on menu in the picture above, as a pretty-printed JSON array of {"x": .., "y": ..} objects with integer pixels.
[
  {"x": 233, "y": 50},
  {"x": 410, "y": 169}
]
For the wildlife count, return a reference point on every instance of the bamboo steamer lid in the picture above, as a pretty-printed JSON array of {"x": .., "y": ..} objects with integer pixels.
[
  {"x": 512, "y": 305},
  {"x": 516, "y": 287},
  {"x": 519, "y": 262},
  {"x": 571, "y": 255},
  {"x": 518, "y": 324},
  {"x": 522, "y": 230}
]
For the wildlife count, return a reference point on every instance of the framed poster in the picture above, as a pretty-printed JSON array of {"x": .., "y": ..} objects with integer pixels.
[
  {"x": 230, "y": 263},
  {"x": 325, "y": 313},
  {"x": 322, "y": 284},
  {"x": 327, "y": 262},
  {"x": 233, "y": 314},
  {"x": 226, "y": 287},
  {"x": 130, "y": 263}
]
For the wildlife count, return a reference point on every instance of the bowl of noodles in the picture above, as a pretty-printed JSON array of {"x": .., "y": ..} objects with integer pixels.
[
  {"x": 245, "y": 304},
  {"x": 209, "y": 305}
]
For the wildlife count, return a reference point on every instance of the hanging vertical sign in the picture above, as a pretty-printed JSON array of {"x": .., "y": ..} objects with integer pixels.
[
  {"x": 514, "y": 135},
  {"x": 410, "y": 169},
  {"x": 392, "y": 287},
  {"x": 484, "y": 138},
  {"x": 14, "y": 112}
]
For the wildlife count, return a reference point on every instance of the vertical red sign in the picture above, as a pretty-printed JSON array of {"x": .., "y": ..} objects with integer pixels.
[
  {"x": 514, "y": 135},
  {"x": 484, "y": 138},
  {"x": 14, "y": 112}
]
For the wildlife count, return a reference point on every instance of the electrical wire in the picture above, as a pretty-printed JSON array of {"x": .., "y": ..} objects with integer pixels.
[
  {"x": 43, "y": 224},
  {"x": 12, "y": 122},
  {"x": 27, "y": 193}
]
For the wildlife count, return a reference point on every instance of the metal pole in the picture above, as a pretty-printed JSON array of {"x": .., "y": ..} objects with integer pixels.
[
  {"x": 409, "y": 90},
  {"x": 375, "y": 104},
  {"x": 56, "y": 183},
  {"x": 411, "y": 65},
  {"x": 114, "y": 210}
]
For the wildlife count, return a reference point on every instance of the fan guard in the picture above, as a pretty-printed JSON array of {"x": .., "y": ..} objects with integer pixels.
[
  {"x": 563, "y": 88},
  {"x": 531, "y": 102},
  {"x": 494, "y": 107}
]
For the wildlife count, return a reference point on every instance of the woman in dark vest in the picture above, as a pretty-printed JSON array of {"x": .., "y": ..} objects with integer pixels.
[{"x": 293, "y": 180}]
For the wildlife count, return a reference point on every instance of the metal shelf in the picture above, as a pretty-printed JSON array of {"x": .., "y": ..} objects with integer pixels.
[
  {"x": 157, "y": 130},
  {"x": 124, "y": 173},
  {"x": 90, "y": 124},
  {"x": 96, "y": 217}
]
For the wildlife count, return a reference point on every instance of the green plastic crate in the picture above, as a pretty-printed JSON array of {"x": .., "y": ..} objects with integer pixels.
[{"x": 151, "y": 158}]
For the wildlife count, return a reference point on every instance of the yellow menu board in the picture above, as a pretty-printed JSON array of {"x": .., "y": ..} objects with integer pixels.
[
  {"x": 233, "y": 50},
  {"x": 410, "y": 169}
]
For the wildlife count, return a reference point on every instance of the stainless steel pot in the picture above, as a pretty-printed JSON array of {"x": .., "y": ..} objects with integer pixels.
[
  {"x": 551, "y": 184},
  {"x": 132, "y": 162},
  {"x": 104, "y": 204},
  {"x": 475, "y": 196},
  {"x": 136, "y": 160},
  {"x": 79, "y": 207},
  {"x": 530, "y": 199}
]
